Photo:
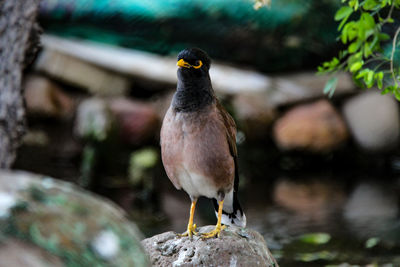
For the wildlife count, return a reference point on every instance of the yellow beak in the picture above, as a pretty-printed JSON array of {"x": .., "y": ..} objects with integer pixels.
[{"x": 182, "y": 63}]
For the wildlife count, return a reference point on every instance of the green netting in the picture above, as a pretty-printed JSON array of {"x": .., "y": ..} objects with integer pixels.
[{"x": 291, "y": 34}]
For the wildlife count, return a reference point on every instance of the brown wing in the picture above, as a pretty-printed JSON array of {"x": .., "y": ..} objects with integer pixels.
[{"x": 230, "y": 126}]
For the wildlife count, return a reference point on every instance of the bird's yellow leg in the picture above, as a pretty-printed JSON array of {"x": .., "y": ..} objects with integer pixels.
[
  {"x": 218, "y": 228},
  {"x": 191, "y": 228}
]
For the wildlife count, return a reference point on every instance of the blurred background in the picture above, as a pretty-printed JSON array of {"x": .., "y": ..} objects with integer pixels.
[{"x": 319, "y": 177}]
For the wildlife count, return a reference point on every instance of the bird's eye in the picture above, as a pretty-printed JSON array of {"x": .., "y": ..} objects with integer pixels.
[{"x": 198, "y": 64}]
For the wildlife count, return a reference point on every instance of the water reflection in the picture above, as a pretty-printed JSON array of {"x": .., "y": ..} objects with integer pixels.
[
  {"x": 351, "y": 213},
  {"x": 361, "y": 218},
  {"x": 372, "y": 209}
]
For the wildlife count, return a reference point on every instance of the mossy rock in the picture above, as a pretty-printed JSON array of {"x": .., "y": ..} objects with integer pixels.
[{"x": 62, "y": 220}]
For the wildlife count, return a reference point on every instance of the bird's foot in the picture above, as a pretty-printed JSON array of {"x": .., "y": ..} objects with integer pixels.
[
  {"x": 216, "y": 232},
  {"x": 191, "y": 230}
]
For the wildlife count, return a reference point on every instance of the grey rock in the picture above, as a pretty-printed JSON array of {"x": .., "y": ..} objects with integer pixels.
[
  {"x": 80, "y": 73},
  {"x": 370, "y": 204},
  {"x": 107, "y": 69},
  {"x": 234, "y": 247},
  {"x": 58, "y": 222},
  {"x": 297, "y": 87},
  {"x": 373, "y": 120}
]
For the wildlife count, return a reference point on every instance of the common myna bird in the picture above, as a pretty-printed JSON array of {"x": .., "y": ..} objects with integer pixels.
[{"x": 198, "y": 144}]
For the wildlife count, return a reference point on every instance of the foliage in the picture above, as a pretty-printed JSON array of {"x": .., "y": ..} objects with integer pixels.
[
  {"x": 372, "y": 242},
  {"x": 361, "y": 32},
  {"x": 315, "y": 238}
]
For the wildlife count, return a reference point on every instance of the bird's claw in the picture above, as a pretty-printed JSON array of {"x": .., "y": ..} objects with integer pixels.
[
  {"x": 191, "y": 230},
  {"x": 216, "y": 232}
]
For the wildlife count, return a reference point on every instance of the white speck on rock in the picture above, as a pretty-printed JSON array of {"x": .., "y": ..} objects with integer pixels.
[
  {"x": 106, "y": 244},
  {"x": 180, "y": 260},
  {"x": 177, "y": 242},
  {"x": 7, "y": 201},
  {"x": 233, "y": 262},
  {"x": 47, "y": 183}
]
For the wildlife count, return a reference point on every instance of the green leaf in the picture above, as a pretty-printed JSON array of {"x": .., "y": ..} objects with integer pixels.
[
  {"x": 343, "y": 53},
  {"x": 372, "y": 242},
  {"x": 356, "y": 66},
  {"x": 144, "y": 158},
  {"x": 383, "y": 36},
  {"x": 315, "y": 238},
  {"x": 334, "y": 62},
  {"x": 362, "y": 73},
  {"x": 374, "y": 43},
  {"x": 367, "y": 50},
  {"x": 369, "y": 78},
  {"x": 352, "y": 33},
  {"x": 344, "y": 34},
  {"x": 315, "y": 256},
  {"x": 343, "y": 12},
  {"x": 379, "y": 79},
  {"x": 368, "y": 20},
  {"x": 370, "y": 4},
  {"x": 354, "y": 46},
  {"x": 389, "y": 89},
  {"x": 397, "y": 94},
  {"x": 330, "y": 86},
  {"x": 354, "y": 4}
]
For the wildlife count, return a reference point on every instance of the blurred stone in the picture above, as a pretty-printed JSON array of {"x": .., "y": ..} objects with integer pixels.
[
  {"x": 78, "y": 72},
  {"x": 75, "y": 226},
  {"x": 292, "y": 88},
  {"x": 22, "y": 254},
  {"x": 44, "y": 97},
  {"x": 87, "y": 64},
  {"x": 254, "y": 114},
  {"x": 138, "y": 121},
  {"x": 372, "y": 210},
  {"x": 234, "y": 247},
  {"x": 311, "y": 198},
  {"x": 369, "y": 202},
  {"x": 93, "y": 119},
  {"x": 315, "y": 127},
  {"x": 373, "y": 120}
]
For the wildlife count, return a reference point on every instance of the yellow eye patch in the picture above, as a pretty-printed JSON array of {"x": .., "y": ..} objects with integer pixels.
[{"x": 198, "y": 66}]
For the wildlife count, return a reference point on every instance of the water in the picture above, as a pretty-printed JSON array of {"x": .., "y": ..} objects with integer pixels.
[
  {"x": 360, "y": 220},
  {"x": 323, "y": 214},
  {"x": 311, "y": 210}
]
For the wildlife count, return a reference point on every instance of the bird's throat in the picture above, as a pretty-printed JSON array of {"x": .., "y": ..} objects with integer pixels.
[{"x": 192, "y": 95}]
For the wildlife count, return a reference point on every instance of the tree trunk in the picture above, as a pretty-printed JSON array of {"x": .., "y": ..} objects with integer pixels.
[{"x": 18, "y": 35}]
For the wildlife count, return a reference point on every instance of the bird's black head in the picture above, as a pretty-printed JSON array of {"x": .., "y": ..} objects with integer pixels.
[
  {"x": 193, "y": 61},
  {"x": 194, "y": 89}
]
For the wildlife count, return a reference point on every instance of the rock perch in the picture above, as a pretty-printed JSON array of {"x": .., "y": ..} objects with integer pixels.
[{"x": 234, "y": 247}]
